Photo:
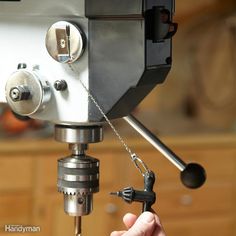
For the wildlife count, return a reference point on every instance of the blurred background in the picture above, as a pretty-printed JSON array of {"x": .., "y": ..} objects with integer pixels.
[{"x": 194, "y": 112}]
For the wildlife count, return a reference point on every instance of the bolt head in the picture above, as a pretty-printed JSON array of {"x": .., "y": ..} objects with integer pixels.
[
  {"x": 21, "y": 66},
  {"x": 60, "y": 85},
  {"x": 15, "y": 94},
  {"x": 19, "y": 93}
]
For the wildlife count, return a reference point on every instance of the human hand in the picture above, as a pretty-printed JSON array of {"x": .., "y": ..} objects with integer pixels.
[{"x": 147, "y": 224}]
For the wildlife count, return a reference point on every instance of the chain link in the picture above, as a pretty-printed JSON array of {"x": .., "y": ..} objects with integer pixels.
[{"x": 139, "y": 164}]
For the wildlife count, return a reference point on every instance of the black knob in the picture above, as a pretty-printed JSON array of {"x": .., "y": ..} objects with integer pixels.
[
  {"x": 193, "y": 176},
  {"x": 60, "y": 85}
]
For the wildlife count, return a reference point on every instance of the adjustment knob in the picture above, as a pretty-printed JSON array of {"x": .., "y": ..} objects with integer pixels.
[
  {"x": 193, "y": 176},
  {"x": 26, "y": 92},
  {"x": 65, "y": 42}
]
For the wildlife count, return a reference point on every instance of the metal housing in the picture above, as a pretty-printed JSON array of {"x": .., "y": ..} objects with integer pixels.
[{"x": 120, "y": 65}]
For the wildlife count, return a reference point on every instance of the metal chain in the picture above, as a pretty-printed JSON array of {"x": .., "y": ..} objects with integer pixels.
[{"x": 139, "y": 164}]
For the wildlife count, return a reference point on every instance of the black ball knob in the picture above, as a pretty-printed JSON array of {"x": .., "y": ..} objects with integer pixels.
[{"x": 193, "y": 176}]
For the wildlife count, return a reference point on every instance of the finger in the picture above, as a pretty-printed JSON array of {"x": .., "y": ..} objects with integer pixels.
[
  {"x": 157, "y": 219},
  {"x": 117, "y": 233},
  {"x": 129, "y": 220},
  {"x": 158, "y": 231},
  {"x": 144, "y": 225}
]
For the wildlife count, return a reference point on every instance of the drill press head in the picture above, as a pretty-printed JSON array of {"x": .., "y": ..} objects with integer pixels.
[{"x": 120, "y": 50}]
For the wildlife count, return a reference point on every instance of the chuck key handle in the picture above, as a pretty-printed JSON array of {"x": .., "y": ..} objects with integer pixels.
[{"x": 146, "y": 196}]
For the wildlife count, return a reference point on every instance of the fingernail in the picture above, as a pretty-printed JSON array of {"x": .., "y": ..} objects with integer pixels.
[{"x": 147, "y": 217}]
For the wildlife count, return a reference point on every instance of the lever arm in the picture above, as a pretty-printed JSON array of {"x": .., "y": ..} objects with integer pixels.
[{"x": 192, "y": 175}]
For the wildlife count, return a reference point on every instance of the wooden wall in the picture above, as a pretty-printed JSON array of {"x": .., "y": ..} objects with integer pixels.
[
  {"x": 199, "y": 95},
  {"x": 28, "y": 193}
]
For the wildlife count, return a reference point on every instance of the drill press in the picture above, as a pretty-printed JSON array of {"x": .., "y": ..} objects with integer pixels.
[{"x": 79, "y": 63}]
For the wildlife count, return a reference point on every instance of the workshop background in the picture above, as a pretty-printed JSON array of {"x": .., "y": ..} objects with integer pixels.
[{"x": 194, "y": 112}]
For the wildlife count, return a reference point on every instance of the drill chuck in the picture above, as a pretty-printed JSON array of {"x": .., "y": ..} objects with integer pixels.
[{"x": 78, "y": 179}]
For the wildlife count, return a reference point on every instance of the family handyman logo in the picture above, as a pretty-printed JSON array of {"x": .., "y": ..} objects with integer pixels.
[{"x": 21, "y": 229}]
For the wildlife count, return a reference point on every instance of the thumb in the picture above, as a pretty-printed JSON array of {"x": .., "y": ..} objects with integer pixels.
[{"x": 144, "y": 226}]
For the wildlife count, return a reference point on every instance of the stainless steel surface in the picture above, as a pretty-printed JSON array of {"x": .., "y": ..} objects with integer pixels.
[
  {"x": 82, "y": 135},
  {"x": 78, "y": 205},
  {"x": 26, "y": 92},
  {"x": 65, "y": 42},
  {"x": 152, "y": 139},
  {"x": 78, "y": 149},
  {"x": 78, "y": 223}
]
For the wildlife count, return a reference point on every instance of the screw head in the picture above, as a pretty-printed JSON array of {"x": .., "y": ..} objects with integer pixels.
[
  {"x": 21, "y": 66},
  {"x": 81, "y": 200},
  {"x": 60, "y": 85}
]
